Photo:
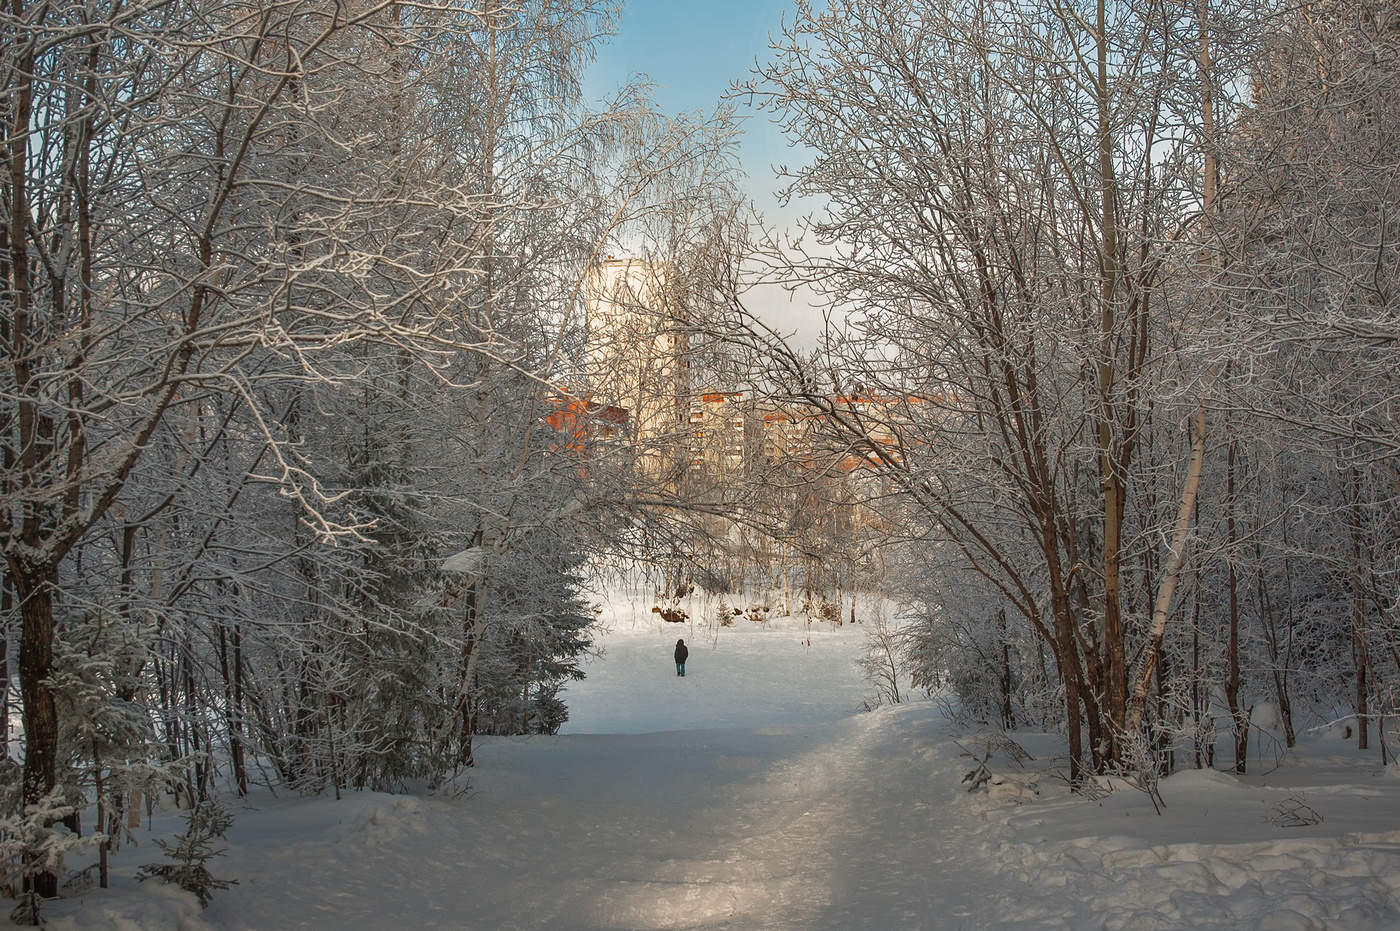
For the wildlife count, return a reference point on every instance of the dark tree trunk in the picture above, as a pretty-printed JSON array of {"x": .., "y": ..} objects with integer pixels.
[
  {"x": 467, "y": 726},
  {"x": 1200, "y": 698},
  {"x": 1076, "y": 744},
  {"x": 7, "y": 604},
  {"x": 1363, "y": 711},
  {"x": 102, "y": 819},
  {"x": 1359, "y": 649},
  {"x": 1008, "y": 714},
  {"x": 34, "y": 587},
  {"x": 230, "y": 668},
  {"x": 1239, "y": 718},
  {"x": 240, "y": 767},
  {"x": 1280, "y": 644}
]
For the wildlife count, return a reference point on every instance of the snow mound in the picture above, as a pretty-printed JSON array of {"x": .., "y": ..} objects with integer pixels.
[
  {"x": 1219, "y": 855},
  {"x": 150, "y": 906},
  {"x": 1303, "y": 884},
  {"x": 393, "y": 822},
  {"x": 1194, "y": 781},
  {"x": 1018, "y": 788}
]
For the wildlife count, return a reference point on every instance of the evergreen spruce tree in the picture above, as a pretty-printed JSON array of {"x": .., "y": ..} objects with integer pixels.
[{"x": 192, "y": 851}]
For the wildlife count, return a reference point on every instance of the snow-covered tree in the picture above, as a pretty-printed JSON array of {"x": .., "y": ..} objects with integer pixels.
[
  {"x": 287, "y": 293},
  {"x": 1002, "y": 188}
]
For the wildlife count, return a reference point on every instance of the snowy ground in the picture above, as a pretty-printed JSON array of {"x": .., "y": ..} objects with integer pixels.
[{"x": 754, "y": 794}]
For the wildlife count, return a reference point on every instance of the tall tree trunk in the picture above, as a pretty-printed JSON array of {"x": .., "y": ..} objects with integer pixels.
[
  {"x": 1115, "y": 671},
  {"x": 229, "y": 663},
  {"x": 1196, "y": 716},
  {"x": 1239, "y": 717},
  {"x": 240, "y": 768},
  {"x": 1280, "y": 646},
  {"x": 1075, "y": 737},
  {"x": 7, "y": 604},
  {"x": 1163, "y": 746},
  {"x": 34, "y": 587},
  {"x": 1361, "y": 657},
  {"x": 198, "y": 744},
  {"x": 102, "y": 817},
  {"x": 1008, "y": 714},
  {"x": 1359, "y": 650},
  {"x": 34, "y": 584},
  {"x": 467, "y": 725}
]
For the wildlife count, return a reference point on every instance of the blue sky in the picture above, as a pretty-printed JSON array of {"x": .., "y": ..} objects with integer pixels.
[{"x": 692, "y": 51}]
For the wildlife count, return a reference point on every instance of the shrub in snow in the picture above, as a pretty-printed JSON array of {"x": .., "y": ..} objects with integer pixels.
[
  {"x": 1145, "y": 776},
  {"x": 674, "y": 614},
  {"x": 981, "y": 775},
  {"x": 192, "y": 851},
  {"x": 1294, "y": 812},
  {"x": 882, "y": 659},
  {"x": 36, "y": 840},
  {"x": 93, "y": 681}
]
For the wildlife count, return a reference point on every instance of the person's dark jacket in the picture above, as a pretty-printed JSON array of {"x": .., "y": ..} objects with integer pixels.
[{"x": 681, "y": 651}]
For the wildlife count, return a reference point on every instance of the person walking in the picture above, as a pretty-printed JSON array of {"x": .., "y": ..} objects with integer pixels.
[{"x": 681, "y": 654}]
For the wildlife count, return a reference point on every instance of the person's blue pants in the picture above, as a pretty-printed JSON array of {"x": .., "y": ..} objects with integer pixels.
[{"x": 680, "y": 669}]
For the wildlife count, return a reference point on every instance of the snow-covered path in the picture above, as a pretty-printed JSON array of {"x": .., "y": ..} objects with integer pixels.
[
  {"x": 782, "y": 825},
  {"x": 785, "y": 827},
  {"x": 754, "y": 794},
  {"x": 768, "y": 828}
]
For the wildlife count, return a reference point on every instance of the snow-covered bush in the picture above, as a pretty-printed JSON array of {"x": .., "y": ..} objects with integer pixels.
[
  {"x": 884, "y": 658},
  {"x": 35, "y": 840},
  {"x": 980, "y": 660},
  {"x": 102, "y": 725}
]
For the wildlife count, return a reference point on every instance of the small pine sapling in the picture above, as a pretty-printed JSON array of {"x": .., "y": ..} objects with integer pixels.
[
  {"x": 26, "y": 910},
  {"x": 192, "y": 851},
  {"x": 981, "y": 775}
]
